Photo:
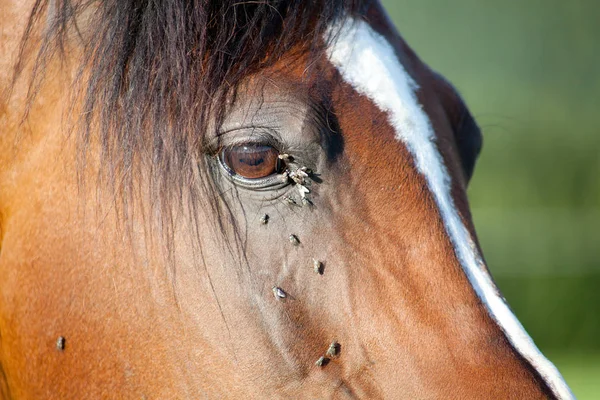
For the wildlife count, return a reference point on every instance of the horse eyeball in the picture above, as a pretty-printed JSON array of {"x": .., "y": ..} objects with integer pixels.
[{"x": 252, "y": 161}]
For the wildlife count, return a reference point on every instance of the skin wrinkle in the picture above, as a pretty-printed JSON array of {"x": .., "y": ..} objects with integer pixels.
[{"x": 392, "y": 293}]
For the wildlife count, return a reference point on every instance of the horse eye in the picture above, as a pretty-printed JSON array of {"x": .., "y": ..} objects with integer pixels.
[{"x": 251, "y": 161}]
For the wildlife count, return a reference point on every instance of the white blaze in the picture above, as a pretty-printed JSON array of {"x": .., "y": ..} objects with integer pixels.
[{"x": 369, "y": 64}]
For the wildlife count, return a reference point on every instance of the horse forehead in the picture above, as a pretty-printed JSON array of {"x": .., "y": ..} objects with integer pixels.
[{"x": 277, "y": 98}]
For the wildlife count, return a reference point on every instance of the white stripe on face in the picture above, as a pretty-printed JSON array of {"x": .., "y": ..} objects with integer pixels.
[{"x": 369, "y": 64}]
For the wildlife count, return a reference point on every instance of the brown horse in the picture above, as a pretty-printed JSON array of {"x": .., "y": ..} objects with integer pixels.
[{"x": 240, "y": 199}]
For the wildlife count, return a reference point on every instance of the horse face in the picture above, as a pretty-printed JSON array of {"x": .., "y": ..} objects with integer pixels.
[{"x": 340, "y": 262}]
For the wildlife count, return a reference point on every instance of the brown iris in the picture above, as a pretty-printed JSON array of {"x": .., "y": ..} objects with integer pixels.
[{"x": 251, "y": 161}]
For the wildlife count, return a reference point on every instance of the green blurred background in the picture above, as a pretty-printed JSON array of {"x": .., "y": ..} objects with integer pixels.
[{"x": 530, "y": 72}]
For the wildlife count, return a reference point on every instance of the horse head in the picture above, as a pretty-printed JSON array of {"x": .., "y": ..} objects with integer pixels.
[{"x": 241, "y": 200}]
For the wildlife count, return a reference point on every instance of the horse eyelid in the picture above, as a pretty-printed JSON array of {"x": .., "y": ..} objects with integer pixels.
[{"x": 255, "y": 135}]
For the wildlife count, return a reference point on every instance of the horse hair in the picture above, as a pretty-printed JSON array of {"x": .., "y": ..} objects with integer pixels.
[{"x": 156, "y": 75}]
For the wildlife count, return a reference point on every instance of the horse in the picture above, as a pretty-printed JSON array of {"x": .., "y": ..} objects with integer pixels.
[{"x": 241, "y": 199}]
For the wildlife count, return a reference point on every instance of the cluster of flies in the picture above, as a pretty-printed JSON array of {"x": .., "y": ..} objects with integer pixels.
[{"x": 300, "y": 177}]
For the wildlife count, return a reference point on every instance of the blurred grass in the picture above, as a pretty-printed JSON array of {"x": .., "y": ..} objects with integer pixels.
[
  {"x": 529, "y": 72},
  {"x": 581, "y": 371}
]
